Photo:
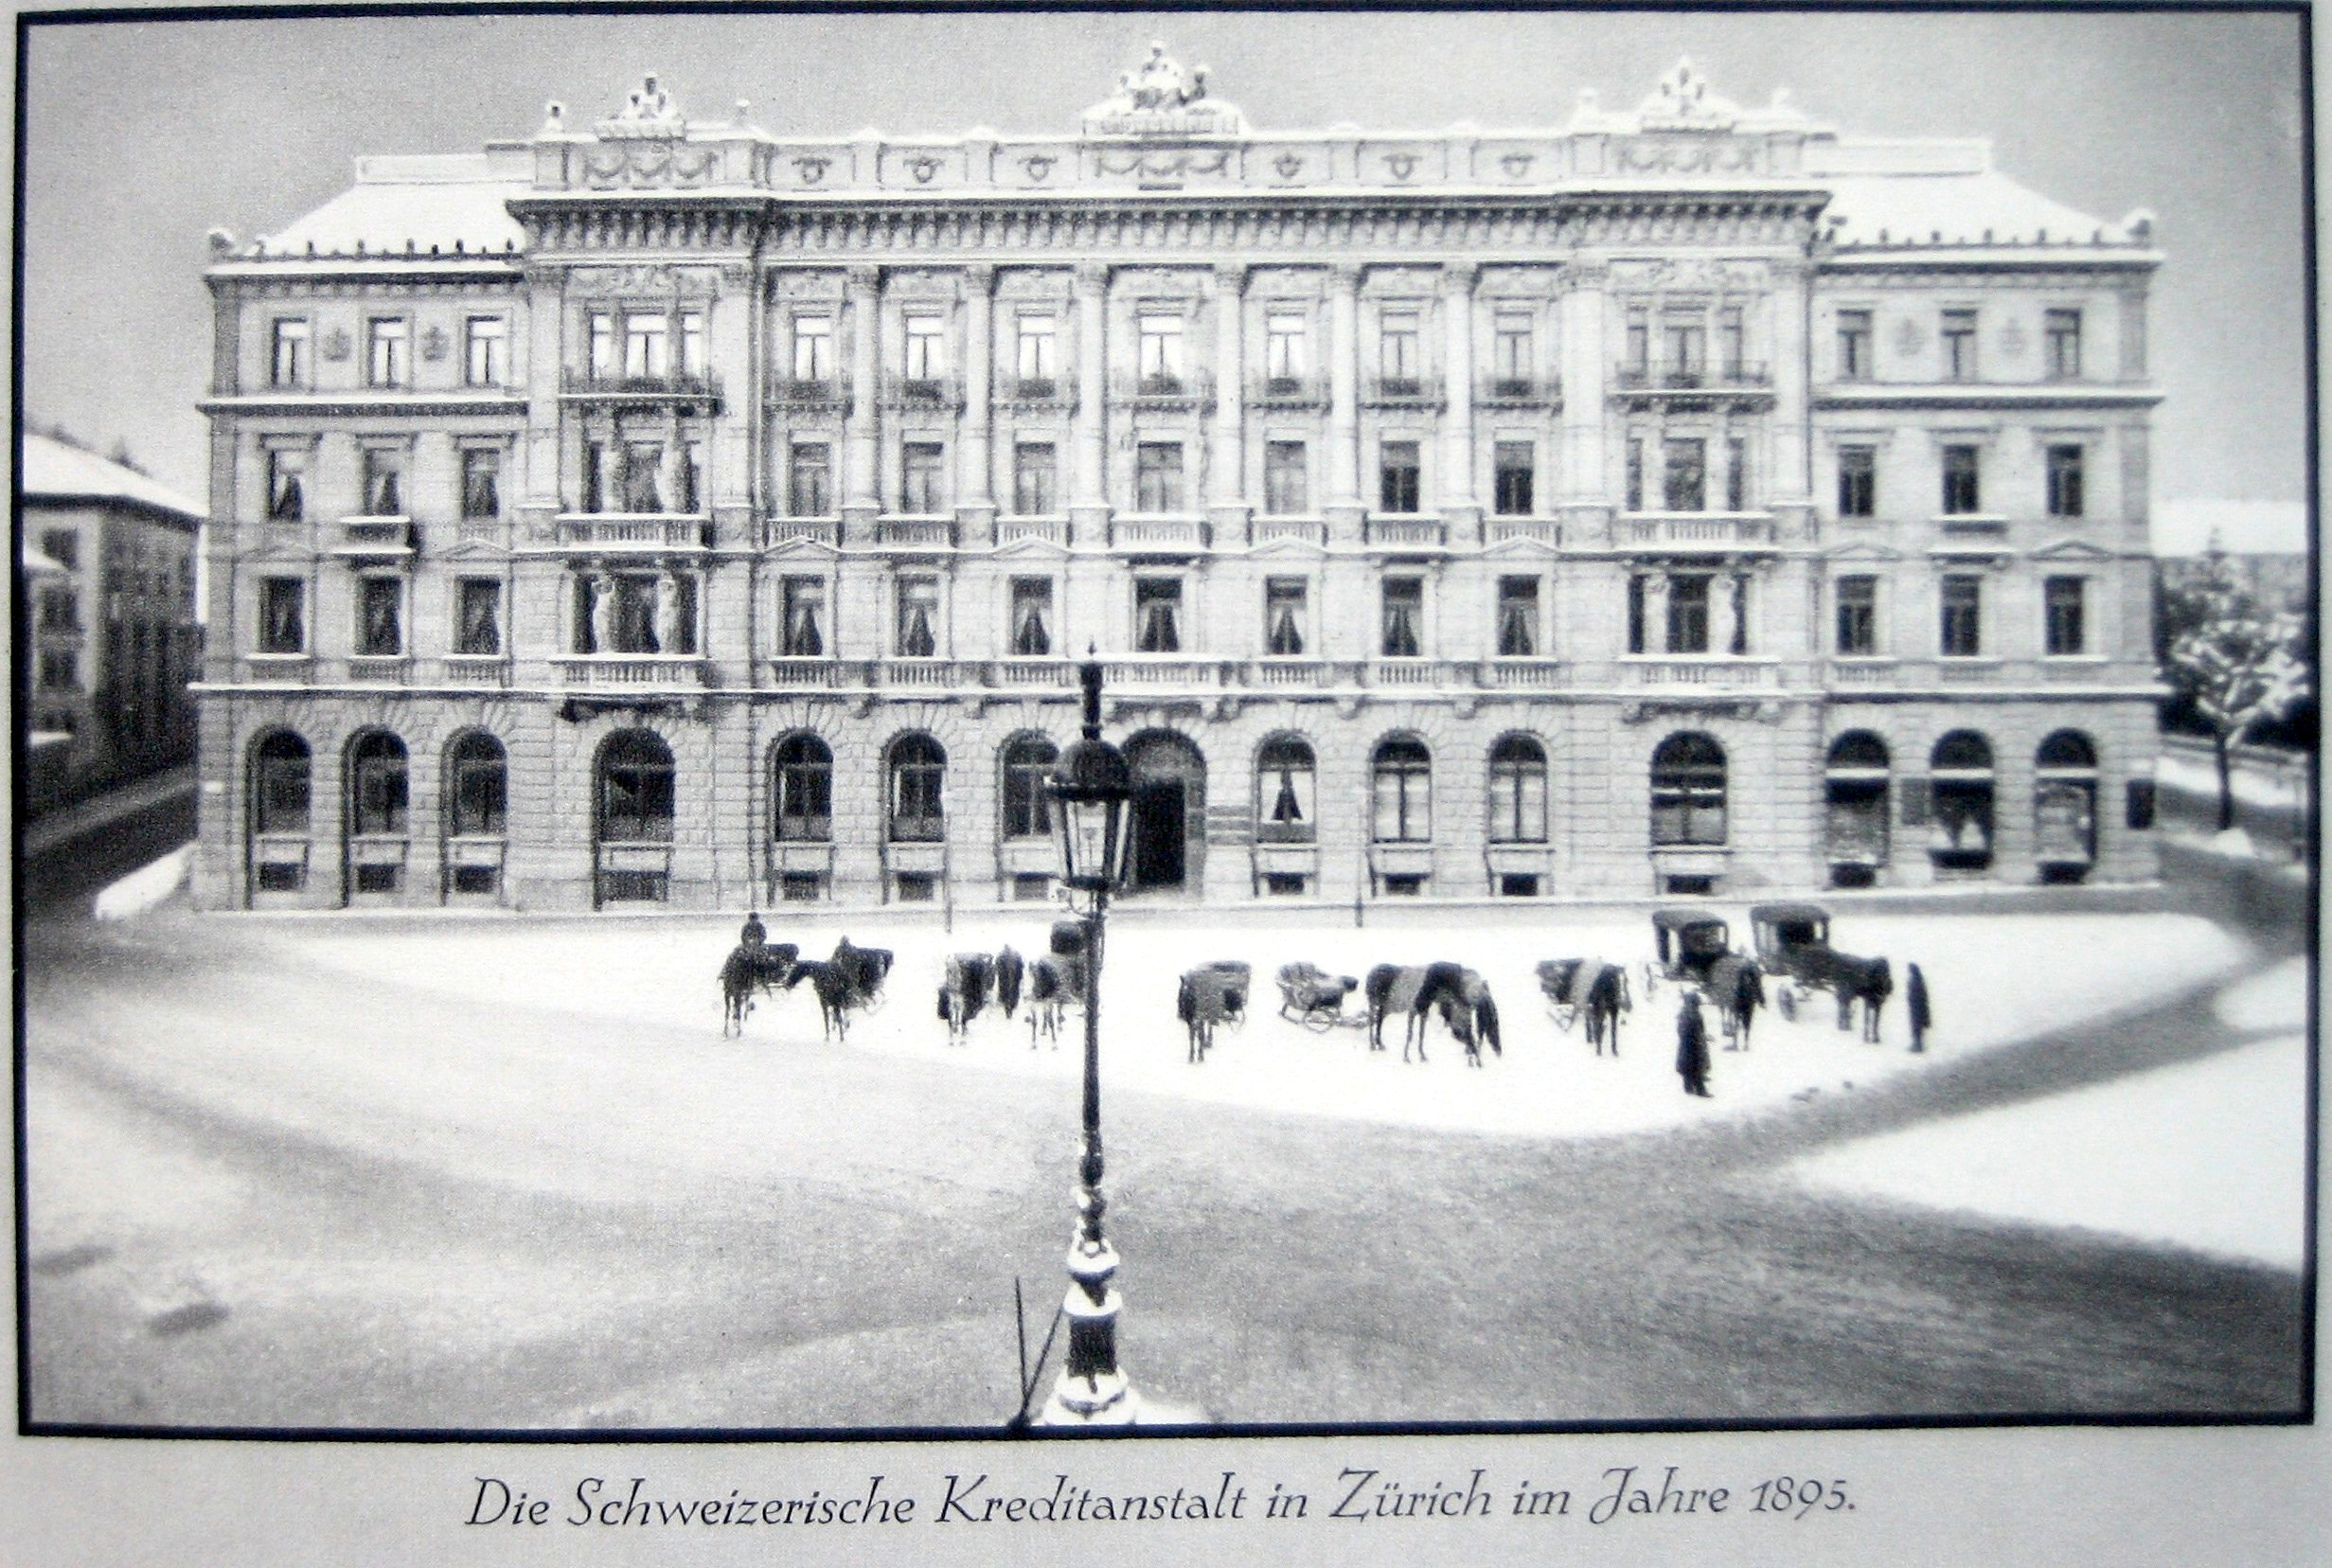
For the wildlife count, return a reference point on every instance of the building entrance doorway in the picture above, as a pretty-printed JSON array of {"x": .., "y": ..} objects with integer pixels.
[{"x": 1169, "y": 812}]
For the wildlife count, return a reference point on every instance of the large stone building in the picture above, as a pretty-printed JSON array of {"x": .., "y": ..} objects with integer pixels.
[
  {"x": 1691, "y": 499},
  {"x": 109, "y": 558}
]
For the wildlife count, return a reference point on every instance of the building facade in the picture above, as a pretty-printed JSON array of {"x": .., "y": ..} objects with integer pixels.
[
  {"x": 113, "y": 641},
  {"x": 1688, "y": 500}
]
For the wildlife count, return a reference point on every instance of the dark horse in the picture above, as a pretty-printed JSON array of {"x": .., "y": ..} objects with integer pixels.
[
  {"x": 1869, "y": 981},
  {"x": 1010, "y": 969},
  {"x": 964, "y": 992},
  {"x": 1419, "y": 990},
  {"x": 1737, "y": 990},
  {"x": 746, "y": 971},
  {"x": 1053, "y": 984},
  {"x": 851, "y": 979},
  {"x": 1586, "y": 989},
  {"x": 1210, "y": 995}
]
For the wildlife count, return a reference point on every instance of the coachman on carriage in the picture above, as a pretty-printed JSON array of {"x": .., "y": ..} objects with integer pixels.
[{"x": 1688, "y": 941}]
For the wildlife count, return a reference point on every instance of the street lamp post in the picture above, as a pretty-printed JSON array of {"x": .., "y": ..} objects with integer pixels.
[{"x": 1090, "y": 787}]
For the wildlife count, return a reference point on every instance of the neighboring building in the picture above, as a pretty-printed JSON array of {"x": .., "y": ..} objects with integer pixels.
[
  {"x": 114, "y": 641},
  {"x": 2280, "y": 578},
  {"x": 1687, "y": 500}
]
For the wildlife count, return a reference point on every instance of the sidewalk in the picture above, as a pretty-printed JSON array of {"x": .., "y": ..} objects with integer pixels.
[{"x": 60, "y": 828}]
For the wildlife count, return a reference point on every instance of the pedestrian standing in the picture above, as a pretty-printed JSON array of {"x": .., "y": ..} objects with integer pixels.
[
  {"x": 1915, "y": 996},
  {"x": 1692, "y": 1047}
]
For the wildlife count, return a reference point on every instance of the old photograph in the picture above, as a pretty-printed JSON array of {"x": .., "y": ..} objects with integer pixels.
[{"x": 896, "y": 724}]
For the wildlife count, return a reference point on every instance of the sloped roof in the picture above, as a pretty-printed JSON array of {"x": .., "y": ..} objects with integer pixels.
[
  {"x": 58, "y": 471},
  {"x": 1981, "y": 207},
  {"x": 431, "y": 204}
]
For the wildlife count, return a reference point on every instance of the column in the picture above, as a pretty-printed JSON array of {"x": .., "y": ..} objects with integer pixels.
[
  {"x": 1089, "y": 504},
  {"x": 862, "y": 498},
  {"x": 1460, "y": 508},
  {"x": 1345, "y": 506},
  {"x": 1789, "y": 494},
  {"x": 1230, "y": 509},
  {"x": 976, "y": 504},
  {"x": 1589, "y": 489}
]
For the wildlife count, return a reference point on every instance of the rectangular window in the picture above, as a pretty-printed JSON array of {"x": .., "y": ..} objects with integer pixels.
[
  {"x": 283, "y": 615},
  {"x": 692, "y": 360},
  {"x": 1737, "y": 474},
  {"x": 603, "y": 349},
  {"x": 1510, "y": 351},
  {"x": 1284, "y": 616},
  {"x": 691, "y": 477},
  {"x": 288, "y": 353},
  {"x": 804, "y": 609},
  {"x": 1962, "y": 627},
  {"x": 2065, "y": 598},
  {"x": 287, "y": 485},
  {"x": 486, "y": 350},
  {"x": 1858, "y": 481},
  {"x": 2065, "y": 499},
  {"x": 63, "y": 547},
  {"x": 1854, "y": 346},
  {"x": 2063, "y": 329},
  {"x": 59, "y": 668},
  {"x": 809, "y": 480},
  {"x": 1285, "y": 359},
  {"x": 1683, "y": 479},
  {"x": 1961, "y": 492},
  {"x": 922, "y": 485},
  {"x": 1286, "y": 486},
  {"x": 1030, "y": 628},
  {"x": 1400, "y": 358},
  {"x": 1158, "y": 615},
  {"x": 643, "y": 483},
  {"x": 1685, "y": 344},
  {"x": 918, "y": 617},
  {"x": 646, "y": 345},
  {"x": 1732, "y": 344},
  {"x": 1399, "y": 470},
  {"x": 1160, "y": 357},
  {"x": 387, "y": 354},
  {"x": 1688, "y": 598},
  {"x": 481, "y": 483},
  {"x": 1517, "y": 617},
  {"x": 926, "y": 357},
  {"x": 384, "y": 482},
  {"x": 61, "y": 611},
  {"x": 1636, "y": 475},
  {"x": 813, "y": 348},
  {"x": 1035, "y": 479},
  {"x": 1404, "y": 618},
  {"x": 1514, "y": 466},
  {"x": 380, "y": 616},
  {"x": 1035, "y": 351},
  {"x": 1639, "y": 348},
  {"x": 477, "y": 617},
  {"x": 1959, "y": 346},
  {"x": 1158, "y": 477},
  {"x": 1858, "y": 616}
]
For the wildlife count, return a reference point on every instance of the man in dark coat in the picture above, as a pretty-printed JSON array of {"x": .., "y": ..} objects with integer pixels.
[
  {"x": 755, "y": 935},
  {"x": 1692, "y": 1047},
  {"x": 1915, "y": 996}
]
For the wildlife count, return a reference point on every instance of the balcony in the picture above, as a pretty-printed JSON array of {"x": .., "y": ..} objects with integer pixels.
[
  {"x": 1286, "y": 674},
  {"x": 1036, "y": 394},
  {"x": 1978, "y": 525},
  {"x": 1733, "y": 672},
  {"x": 936, "y": 394},
  {"x": 914, "y": 533},
  {"x": 1521, "y": 674},
  {"x": 1694, "y": 531},
  {"x": 630, "y": 670},
  {"x": 1050, "y": 530},
  {"x": 1406, "y": 533},
  {"x": 1519, "y": 392},
  {"x": 1296, "y": 391},
  {"x": 1032, "y": 675},
  {"x": 1304, "y": 531},
  {"x": 816, "y": 674},
  {"x": 480, "y": 669},
  {"x": 1738, "y": 383},
  {"x": 1165, "y": 391},
  {"x": 483, "y": 530},
  {"x": 1159, "y": 533},
  {"x": 1161, "y": 671},
  {"x": 1403, "y": 392},
  {"x": 682, "y": 387},
  {"x": 809, "y": 394},
  {"x": 917, "y": 674},
  {"x": 379, "y": 668},
  {"x": 1416, "y": 674},
  {"x": 1535, "y": 530},
  {"x": 1862, "y": 674},
  {"x": 817, "y": 531},
  {"x": 375, "y": 535},
  {"x": 632, "y": 531}
]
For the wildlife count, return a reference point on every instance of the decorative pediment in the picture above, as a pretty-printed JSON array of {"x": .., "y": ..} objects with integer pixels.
[
  {"x": 1863, "y": 549},
  {"x": 1032, "y": 545},
  {"x": 2072, "y": 549},
  {"x": 1521, "y": 545},
  {"x": 1159, "y": 98},
  {"x": 802, "y": 544},
  {"x": 1681, "y": 101},
  {"x": 1289, "y": 544},
  {"x": 649, "y": 114}
]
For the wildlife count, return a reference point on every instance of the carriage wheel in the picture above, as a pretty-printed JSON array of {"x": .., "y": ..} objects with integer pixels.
[{"x": 1318, "y": 1020}]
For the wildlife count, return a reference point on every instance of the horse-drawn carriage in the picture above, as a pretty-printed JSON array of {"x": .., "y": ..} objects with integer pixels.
[
  {"x": 1314, "y": 998},
  {"x": 1793, "y": 941},
  {"x": 1695, "y": 951},
  {"x": 1212, "y": 996},
  {"x": 1587, "y": 991}
]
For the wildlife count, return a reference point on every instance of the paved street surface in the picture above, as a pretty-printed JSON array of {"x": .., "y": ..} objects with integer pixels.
[{"x": 389, "y": 1173}]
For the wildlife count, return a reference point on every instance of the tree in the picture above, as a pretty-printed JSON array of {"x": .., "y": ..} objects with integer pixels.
[{"x": 2232, "y": 659}]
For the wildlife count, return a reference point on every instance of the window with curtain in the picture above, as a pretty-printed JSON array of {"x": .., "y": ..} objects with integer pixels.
[
  {"x": 1858, "y": 616},
  {"x": 805, "y": 618},
  {"x": 1518, "y": 790},
  {"x": 486, "y": 350},
  {"x": 287, "y": 485},
  {"x": 279, "y": 776},
  {"x": 1961, "y": 491},
  {"x": 477, "y": 797},
  {"x": 918, "y": 776},
  {"x": 803, "y": 790},
  {"x": 1285, "y": 777},
  {"x": 921, "y": 487},
  {"x": 384, "y": 482},
  {"x": 1401, "y": 792},
  {"x": 481, "y": 483},
  {"x": 1515, "y": 474},
  {"x": 635, "y": 794},
  {"x": 2065, "y": 498},
  {"x": 380, "y": 616},
  {"x": 1684, "y": 474},
  {"x": 2065, "y": 602},
  {"x": 1285, "y": 359},
  {"x": 813, "y": 348},
  {"x": 377, "y": 798},
  {"x": 1031, "y": 624},
  {"x": 1035, "y": 479},
  {"x": 926, "y": 348},
  {"x": 1027, "y": 809},
  {"x": 477, "y": 617},
  {"x": 283, "y": 615},
  {"x": 1286, "y": 488},
  {"x": 1158, "y": 477},
  {"x": 1517, "y": 617},
  {"x": 1036, "y": 355},
  {"x": 1960, "y": 633},
  {"x": 388, "y": 351},
  {"x": 645, "y": 343},
  {"x": 809, "y": 482},
  {"x": 1158, "y": 615},
  {"x": 1404, "y": 618},
  {"x": 1688, "y": 790},
  {"x": 1688, "y": 598},
  {"x": 288, "y": 364},
  {"x": 1283, "y": 616},
  {"x": 642, "y": 488},
  {"x": 1858, "y": 481},
  {"x": 918, "y": 617},
  {"x": 1400, "y": 354},
  {"x": 1510, "y": 351},
  {"x": 1399, "y": 471},
  {"x": 1159, "y": 352}
]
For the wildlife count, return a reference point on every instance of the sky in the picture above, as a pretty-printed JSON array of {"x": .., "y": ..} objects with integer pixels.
[{"x": 142, "y": 138}]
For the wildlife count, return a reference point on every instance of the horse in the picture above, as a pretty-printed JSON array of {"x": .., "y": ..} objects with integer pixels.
[
  {"x": 745, "y": 970},
  {"x": 964, "y": 992},
  {"x": 1008, "y": 971},
  {"x": 1869, "y": 981},
  {"x": 1419, "y": 990},
  {"x": 851, "y": 979},
  {"x": 1053, "y": 984},
  {"x": 1737, "y": 990},
  {"x": 1211, "y": 994},
  {"x": 864, "y": 968},
  {"x": 1586, "y": 989}
]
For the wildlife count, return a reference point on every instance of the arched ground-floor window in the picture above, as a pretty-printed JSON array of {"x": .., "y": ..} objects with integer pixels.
[
  {"x": 1960, "y": 793},
  {"x": 633, "y": 808},
  {"x": 1518, "y": 790},
  {"x": 2065, "y": 807},
  {"x": 280, "y": 768},
  {"x": 915, "y": 775},
  {"x": 378, "y": 797},
  {"x": 1286, "y": 776},
  {"x": 476, "y": 814},
  {"x": 1688, "y": 790},
  {"x": 1854, "y": 785}
]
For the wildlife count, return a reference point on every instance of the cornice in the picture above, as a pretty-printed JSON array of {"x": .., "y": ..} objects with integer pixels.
[
  {"x": 366, "y": 405},
  {"x": 1956, "y": 398}
]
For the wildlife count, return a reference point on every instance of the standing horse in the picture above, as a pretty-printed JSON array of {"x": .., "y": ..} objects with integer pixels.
[
  {"x": 1869, "y": 981},
  {"x": 1419, "y": 992},
  {"x": 1008, "y": 971},
  {"x": 1053, "y": 984},
  {"x": 748, "y": 968},
  {"x": 1737, "y": 990},
  {"x": 964, "y": 992},
  {"x": 1586, "y": 989},
  {"x": 862, "y": 970},
  {"x": 1211, "y": 994}
]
